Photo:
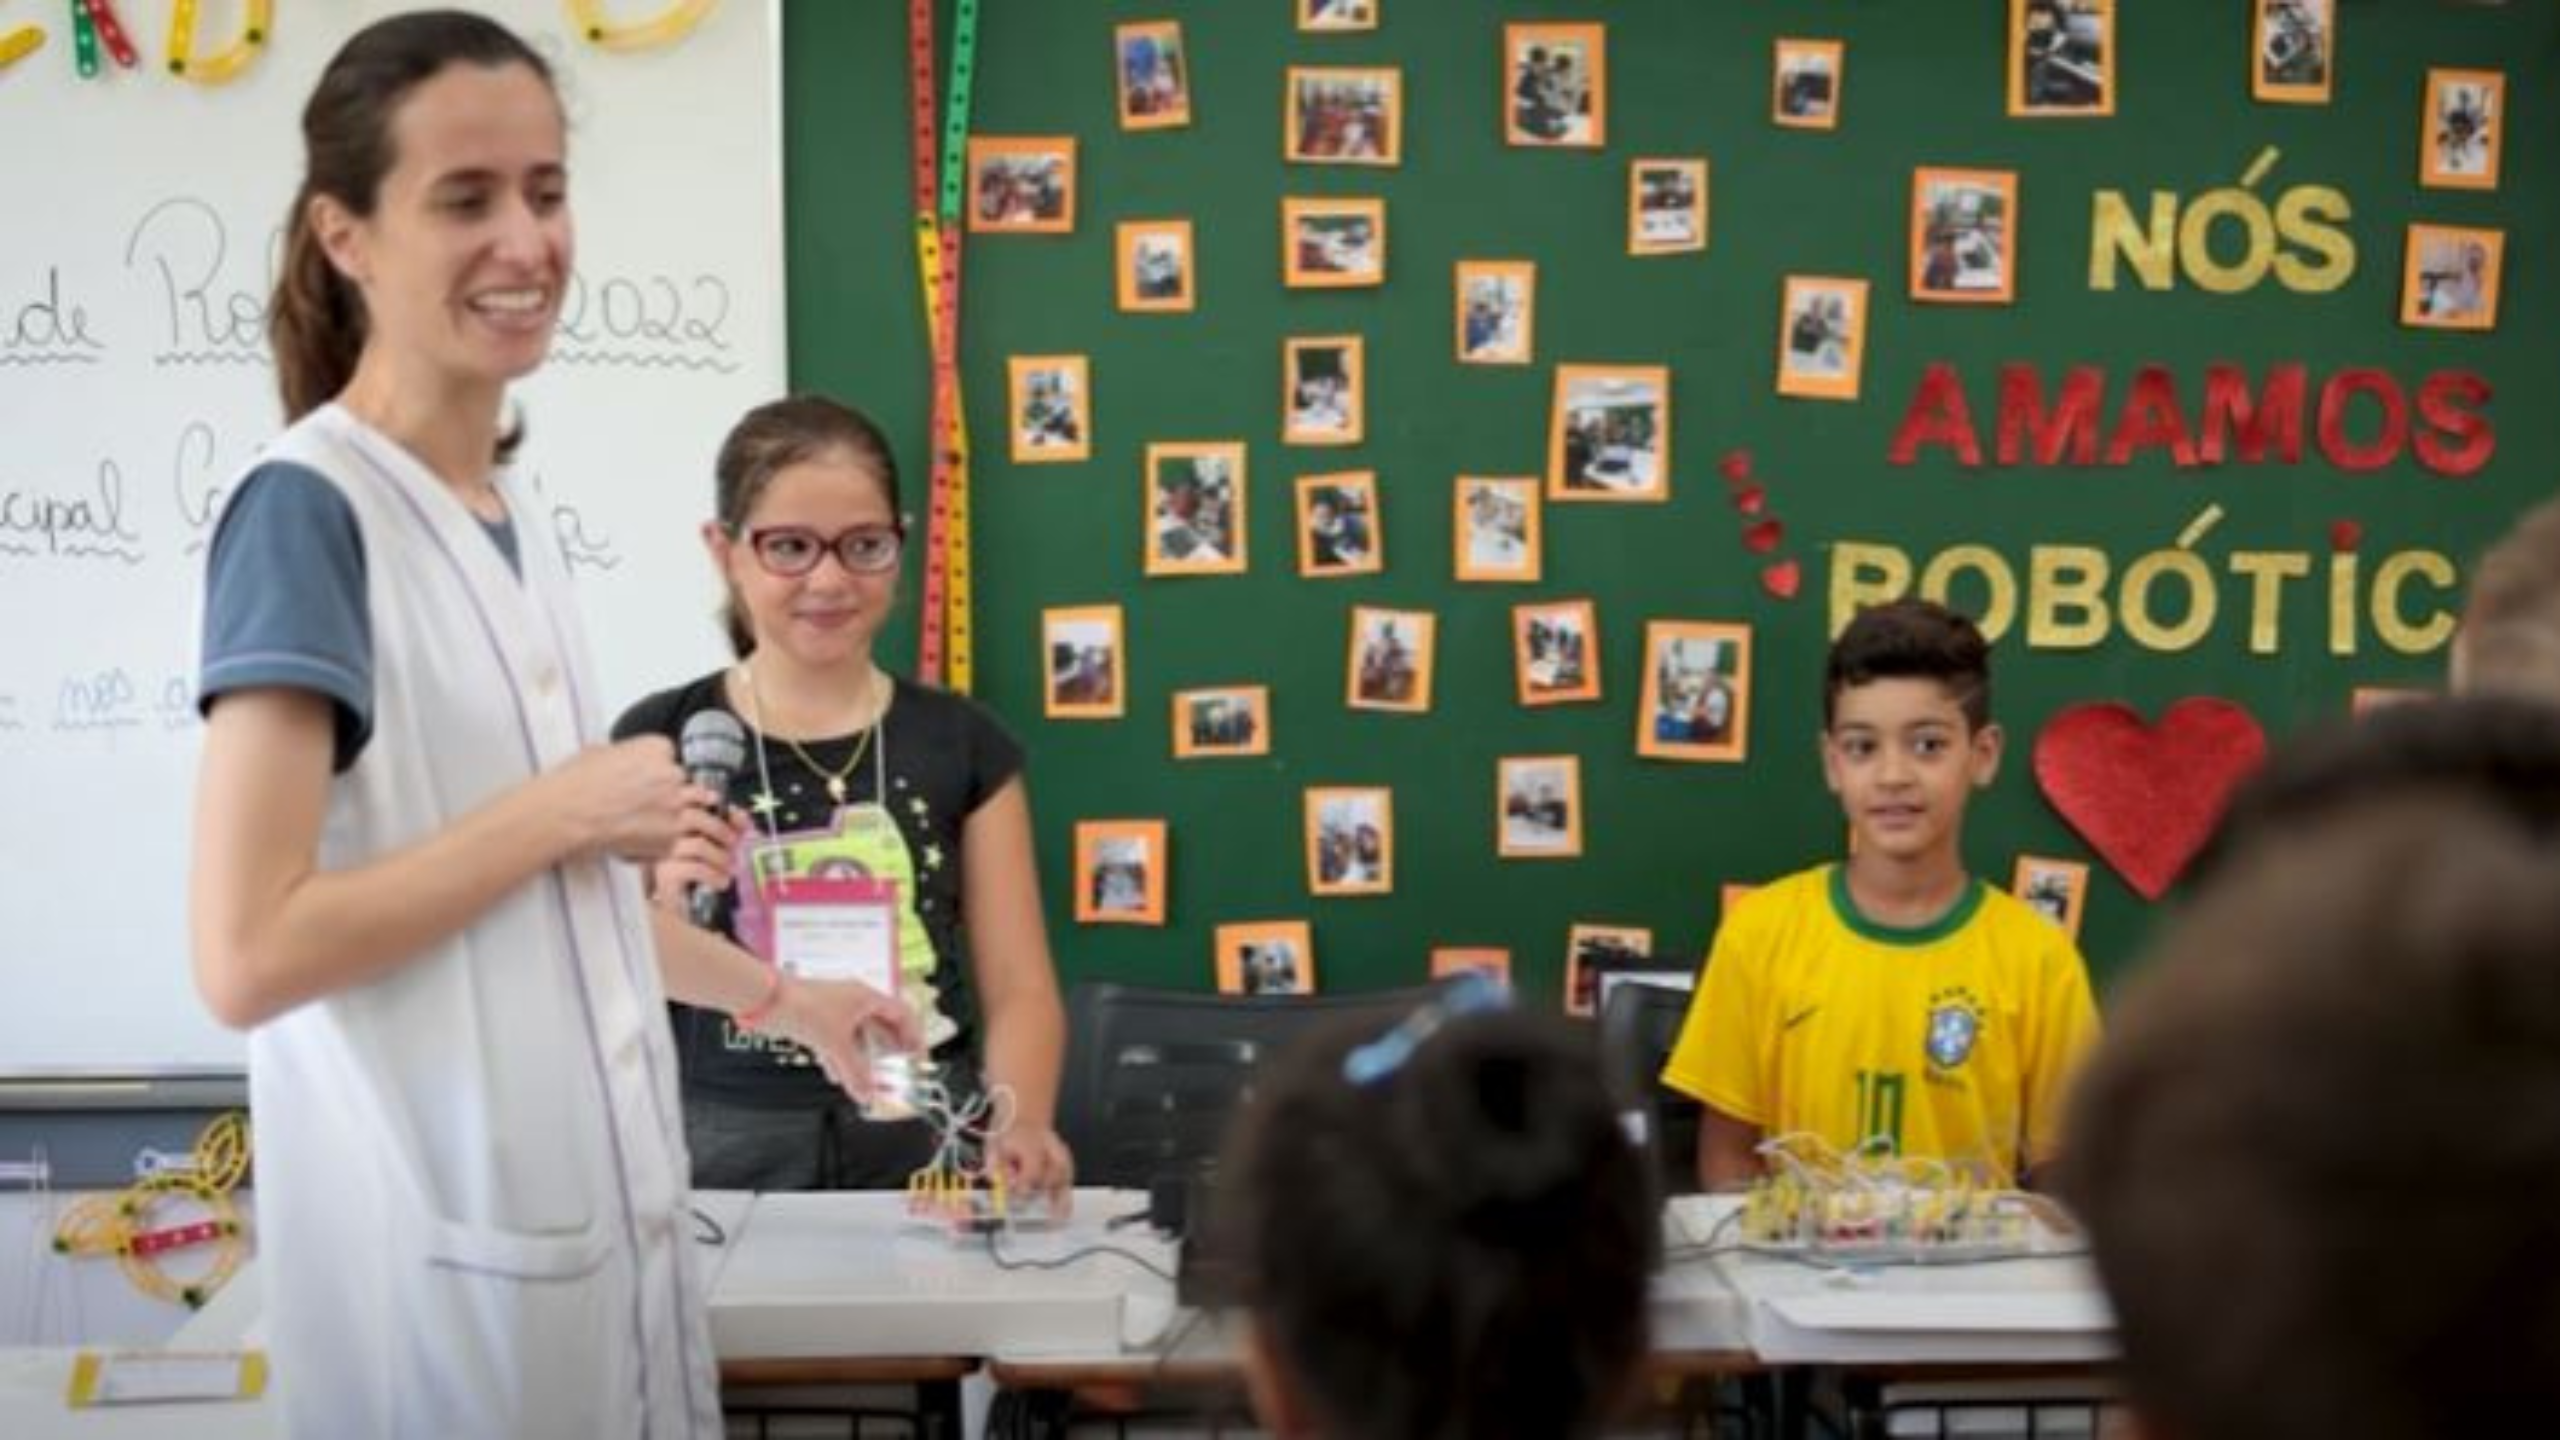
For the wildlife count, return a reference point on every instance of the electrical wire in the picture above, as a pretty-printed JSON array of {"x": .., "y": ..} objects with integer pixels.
[{"x": 995, "y": 1252}]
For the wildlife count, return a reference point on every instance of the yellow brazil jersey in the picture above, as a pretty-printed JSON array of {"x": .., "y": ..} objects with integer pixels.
[{"x": 1953, "y": 1040}]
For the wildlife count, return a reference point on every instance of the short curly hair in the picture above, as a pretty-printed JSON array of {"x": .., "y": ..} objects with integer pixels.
[{"x": 1911, "y": 639}]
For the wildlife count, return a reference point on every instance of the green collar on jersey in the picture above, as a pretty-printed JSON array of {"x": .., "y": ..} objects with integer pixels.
[{"x": 1908, "y": 935}]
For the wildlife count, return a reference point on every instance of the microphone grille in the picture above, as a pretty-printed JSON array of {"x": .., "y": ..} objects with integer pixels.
[{"x": 713, "y": 740}]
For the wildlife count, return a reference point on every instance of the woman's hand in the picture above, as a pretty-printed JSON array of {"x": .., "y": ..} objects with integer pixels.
[
  {"x": 628, "y": 799},
  {"x": 700, "y": 857},
  {"x": 1032, "y": 1160}
]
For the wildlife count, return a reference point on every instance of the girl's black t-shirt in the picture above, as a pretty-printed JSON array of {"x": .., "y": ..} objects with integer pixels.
[{"x": 945, "y": 755}]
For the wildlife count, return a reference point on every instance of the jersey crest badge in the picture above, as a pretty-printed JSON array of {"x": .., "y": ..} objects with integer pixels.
[{"x": 1955, "y": 1022}]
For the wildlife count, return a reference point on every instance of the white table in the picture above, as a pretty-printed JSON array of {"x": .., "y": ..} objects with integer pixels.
[
  {"x": 849, "y": 1274},
  {"x": 844, "y": 1287}
]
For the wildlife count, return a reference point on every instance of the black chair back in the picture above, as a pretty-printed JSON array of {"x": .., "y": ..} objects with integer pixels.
[
  {"x": 1152, "y": 1076},
  {"x": 1639, "y": 1023}
]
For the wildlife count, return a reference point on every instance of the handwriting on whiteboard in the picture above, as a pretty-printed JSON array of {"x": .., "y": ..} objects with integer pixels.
[{"x": 49, "y": 329}]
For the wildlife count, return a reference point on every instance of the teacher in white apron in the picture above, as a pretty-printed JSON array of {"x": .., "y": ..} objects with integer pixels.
[{"x": 410, "y": 879}]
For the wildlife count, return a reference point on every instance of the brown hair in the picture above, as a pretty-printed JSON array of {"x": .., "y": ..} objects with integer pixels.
[
  {"x": 2510, "y": 637},
  {"x": 2318, "y": 1148},
  {"x": 1459, "y": 1248},
  {"x": 316, "y": 321},
  {"x": 772, "y": 438},
  {"x": 1912, "y": 639}
]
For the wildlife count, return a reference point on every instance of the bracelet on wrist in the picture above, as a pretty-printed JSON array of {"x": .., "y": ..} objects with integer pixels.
[{"x": 756, "y": 1014}]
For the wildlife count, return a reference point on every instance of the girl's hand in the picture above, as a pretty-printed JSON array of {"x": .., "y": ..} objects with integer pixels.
[
  {"x": 1034, "y": 1161},
  {"x": 830, "y": 1018}
]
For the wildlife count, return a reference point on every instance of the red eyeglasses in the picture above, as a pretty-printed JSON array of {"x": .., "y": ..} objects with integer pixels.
[{"x": 794, "y": 550}]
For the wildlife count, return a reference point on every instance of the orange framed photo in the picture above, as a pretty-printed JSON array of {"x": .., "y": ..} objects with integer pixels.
[
  {"x": 1154, "y": 266},
  {"x": 1497, "y": 310},
  {"x": 1329, "y": 243},
  {"x": 1221, "y": 720},
  {"x": 2451, "y": 280},
  {"x": 2466, "y": 122},
  {"x": 1822, "y": 337},
  {"x": 1592, "y": 951},
  {"x": 1340, "y": 531},
  {"x": 1391, "y": 654},
  {"x": 1555, "y": 85},
  {"x": 1120, "y": 872},
  {"x": 1555, "y": 652},
  {"x": 2062, "y": 57},
  {"x": 2056, "y": 889},
  {"x": 1351, "y": 840},
  {"x": 1492, "y": 960},
  {"x": 1697, "y": 691},
  {"x": 1154, "y": 74},
  {"x": 1266, "y": 957},
  {"x": 1022, "y": 184},
  {"x": 1964, "y": 225},
  {"x": 2293, "y": 51},
  {"x": 1340, "y": 115},
  {"x": 1609, "y": 433},
  {"x": 1495, "y": 525},
  {"x": 1666, "y": 206},
  {"x": 1323, "y": 15},
  {"x": 2365, "y": 699},
  {"x": 1804, "y": 83},
  {"x": 1081, "y": 656},
  {"x": 1051, "y": 400},
  {"x": 1195, "y": 507},
  {"x": 1538, "y": 807},
  {"x": 1322, "y": 388}
]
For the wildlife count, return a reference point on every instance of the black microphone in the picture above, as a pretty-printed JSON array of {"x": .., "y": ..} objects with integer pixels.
[{"x": 714, "y": 745}]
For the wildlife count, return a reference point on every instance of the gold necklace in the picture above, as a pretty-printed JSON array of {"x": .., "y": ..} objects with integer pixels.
[{"x": 839, "y": 782}]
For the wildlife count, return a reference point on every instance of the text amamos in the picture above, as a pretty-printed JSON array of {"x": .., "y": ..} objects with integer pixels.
[{"x": 2361, "y": 419}]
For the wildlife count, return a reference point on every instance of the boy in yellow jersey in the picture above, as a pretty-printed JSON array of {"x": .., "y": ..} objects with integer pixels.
[{"x": 1892, "y": 1000}]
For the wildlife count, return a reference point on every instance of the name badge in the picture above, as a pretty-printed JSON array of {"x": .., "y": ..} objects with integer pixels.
[{"x": 837, "y": 929}]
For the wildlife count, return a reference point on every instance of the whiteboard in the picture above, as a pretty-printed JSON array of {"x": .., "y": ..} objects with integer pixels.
[{"x": 140, "y": 226}]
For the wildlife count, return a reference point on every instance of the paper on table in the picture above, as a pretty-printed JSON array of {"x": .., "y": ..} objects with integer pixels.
[
  {"x": 144, "y": 1377},
  {"x": 1849, "y": 1327}
]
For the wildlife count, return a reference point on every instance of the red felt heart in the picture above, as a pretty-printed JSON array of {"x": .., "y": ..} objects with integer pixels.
[
  {"x": 1763, "y": 537},
  {"x": 2147, "y": 797},
  {"x": 1750, "y": 499},
  {"x": 1782, "y": 579},
  {"x": 1736, "y": 465},
  {"x": 2345, "y": 535}
]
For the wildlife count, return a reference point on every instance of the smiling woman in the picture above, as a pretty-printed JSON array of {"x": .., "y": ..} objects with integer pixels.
[{"x": 403, "y": 816}]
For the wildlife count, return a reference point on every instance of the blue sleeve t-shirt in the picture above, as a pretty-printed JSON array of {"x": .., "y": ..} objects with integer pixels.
[{"x": 285, "y": 598}]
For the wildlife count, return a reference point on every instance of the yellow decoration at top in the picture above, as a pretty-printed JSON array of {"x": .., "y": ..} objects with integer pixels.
[
  {"x": 259, "y": 23},
  {"x": 18, "y": 44},
  {"x": 665, "y": 28}
]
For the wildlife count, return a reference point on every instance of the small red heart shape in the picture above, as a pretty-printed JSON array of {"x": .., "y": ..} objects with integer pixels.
[
  {"x": 1782, "y": 579},
  {"x": 1750, "y": 499},
  {"x": 2147, "y": 797},
  {"x": 2345, "y": 535},
  {"x": 1736, "y": 466},
  {"x": 1763, "y": 537}
]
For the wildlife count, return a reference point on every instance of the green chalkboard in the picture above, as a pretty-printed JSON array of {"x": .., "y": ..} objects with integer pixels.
[{"x": 1923, "y": 86}]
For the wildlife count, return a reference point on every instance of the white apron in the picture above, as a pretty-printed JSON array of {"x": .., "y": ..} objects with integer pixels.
[{"x": 471, "y": 1180}]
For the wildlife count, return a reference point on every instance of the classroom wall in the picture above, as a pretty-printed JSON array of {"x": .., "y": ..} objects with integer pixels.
[{"x": 1923, "y": 85}]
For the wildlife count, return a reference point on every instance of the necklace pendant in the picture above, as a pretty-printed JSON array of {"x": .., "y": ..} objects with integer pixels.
[{"x": 835, "y": 788}]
